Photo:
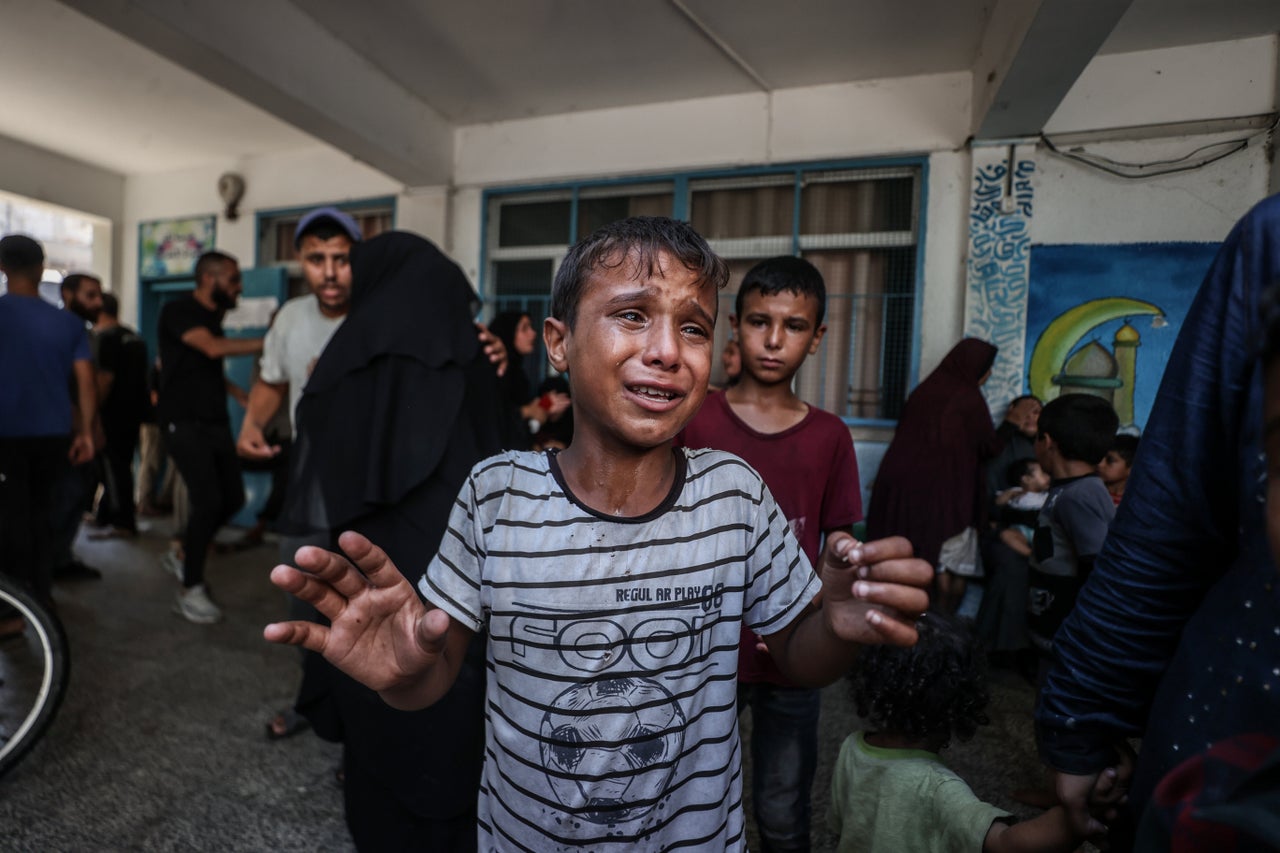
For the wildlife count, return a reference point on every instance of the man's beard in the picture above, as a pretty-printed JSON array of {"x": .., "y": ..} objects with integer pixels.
[
  {"x": 225, "y": 301},
  {"x": 83, "y": 313}
]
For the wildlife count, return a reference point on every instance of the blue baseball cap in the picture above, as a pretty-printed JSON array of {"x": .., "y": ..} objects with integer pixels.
[{"x": 343, "y": 220}]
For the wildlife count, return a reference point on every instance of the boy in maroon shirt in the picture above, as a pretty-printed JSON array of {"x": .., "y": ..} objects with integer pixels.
[{"x": 806, "y": 458}]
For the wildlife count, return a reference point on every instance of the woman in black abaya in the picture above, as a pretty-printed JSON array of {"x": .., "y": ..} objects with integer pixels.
[{"x": 399, "y": 407}]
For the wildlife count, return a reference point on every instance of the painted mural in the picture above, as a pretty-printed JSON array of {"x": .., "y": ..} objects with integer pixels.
[
  {"x": 170, "y": 247},
  {"x": 1102, "y": 319},
  {"x": 997, "y": 270}
]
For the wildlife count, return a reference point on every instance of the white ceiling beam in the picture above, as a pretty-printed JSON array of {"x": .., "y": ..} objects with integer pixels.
[
  {"x": 1032, "y": 52},
  {"x": 281, "y": 60}
]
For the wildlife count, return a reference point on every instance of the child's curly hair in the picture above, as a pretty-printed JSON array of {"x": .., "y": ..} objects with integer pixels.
[{"x": 936, "y": 687}]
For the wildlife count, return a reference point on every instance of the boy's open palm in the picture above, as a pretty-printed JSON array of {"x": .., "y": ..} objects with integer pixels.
[
  {"x": 873, "y": 592},
  {"x": 380, "y": 632}
]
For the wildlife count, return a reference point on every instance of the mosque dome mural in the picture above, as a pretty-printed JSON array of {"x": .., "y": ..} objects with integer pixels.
[
  {"x": 1103, "y": 318},
  {"x": 1066, "y": 361}
]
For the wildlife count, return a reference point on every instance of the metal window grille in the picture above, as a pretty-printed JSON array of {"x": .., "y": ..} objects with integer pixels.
[{"x": 859, "y": 227}]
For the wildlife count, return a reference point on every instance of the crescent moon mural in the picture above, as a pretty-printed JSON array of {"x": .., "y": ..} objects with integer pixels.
[{"x": 1062, "y": 335}]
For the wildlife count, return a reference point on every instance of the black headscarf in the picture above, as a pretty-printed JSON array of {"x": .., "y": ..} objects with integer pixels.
[
  {"x": 516, "y": 389},
  {"x": 381, "y": 406}
]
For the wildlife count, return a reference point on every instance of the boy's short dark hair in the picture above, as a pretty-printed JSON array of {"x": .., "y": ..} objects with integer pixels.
[
  {"x": 1018, "y": 469},
  {"x": 1021, "y": 398},
  {"x": 110, "y": 305},
  {"x": 639, "y": 238},
  {"x": 210, "y": 259},
  {"x": 1125, "y": 446},
  {"x": 786, "y": 272},
  {"x": 1082, "y": 425},
  {"x": 937, "y": 687},
  {"x": 19, "y": 253}
]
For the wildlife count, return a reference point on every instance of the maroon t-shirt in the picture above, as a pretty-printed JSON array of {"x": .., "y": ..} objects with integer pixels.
[{"x": 810, "y": 469}]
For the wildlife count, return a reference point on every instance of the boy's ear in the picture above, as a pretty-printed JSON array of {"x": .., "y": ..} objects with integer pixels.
[
  {"x": 554, "y": 333},
  {"x": 817, "y": 338},
  {"x": 733, "y": 324}
]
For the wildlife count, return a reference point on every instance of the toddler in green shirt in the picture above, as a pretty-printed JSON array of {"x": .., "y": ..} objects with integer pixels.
[{"x": 891, "y": 791}]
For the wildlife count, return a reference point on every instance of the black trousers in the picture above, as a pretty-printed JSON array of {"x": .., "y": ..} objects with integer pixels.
[
  {"x": 206, "y": 458},
  {"x": 30, "y": 470},
  {"x": 115, "y": 469}
]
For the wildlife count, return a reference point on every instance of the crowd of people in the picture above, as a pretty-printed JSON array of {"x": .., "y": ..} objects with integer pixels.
[{"x": 621, "y": 561}]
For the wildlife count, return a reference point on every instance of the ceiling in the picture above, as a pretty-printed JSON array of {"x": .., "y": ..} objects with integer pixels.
[{"x": 144, "y": 86}]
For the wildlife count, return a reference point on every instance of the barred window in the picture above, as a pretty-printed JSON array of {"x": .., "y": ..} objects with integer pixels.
[{"x": 858, "y": 226}]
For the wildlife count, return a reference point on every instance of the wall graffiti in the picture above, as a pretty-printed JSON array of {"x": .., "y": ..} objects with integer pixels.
[{"x": 998, "y": 270}]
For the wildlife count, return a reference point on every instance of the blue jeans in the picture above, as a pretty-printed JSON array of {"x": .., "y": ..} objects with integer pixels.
[{"x": 784, "y": 758}]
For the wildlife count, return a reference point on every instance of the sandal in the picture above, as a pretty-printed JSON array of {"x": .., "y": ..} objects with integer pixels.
[{"x": 286, "y": 724}]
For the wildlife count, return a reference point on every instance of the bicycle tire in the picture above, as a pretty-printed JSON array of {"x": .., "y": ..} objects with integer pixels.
[{"x": 46, "y": 648}]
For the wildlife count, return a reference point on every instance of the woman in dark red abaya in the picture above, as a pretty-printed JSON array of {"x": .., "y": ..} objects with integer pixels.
[{"x": 930, "y": 485}]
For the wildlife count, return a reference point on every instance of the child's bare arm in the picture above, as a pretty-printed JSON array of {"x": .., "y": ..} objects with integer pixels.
[
  {"x": 380, "y": 632},
  {"x": 871, "y": 593},
  {"x": 1016, "y": 541},
  {"x": 1060, "y": 830},
  {"x": 1050, "y": 832}
]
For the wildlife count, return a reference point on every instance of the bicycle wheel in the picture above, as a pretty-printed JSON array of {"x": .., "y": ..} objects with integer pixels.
[{"x": 34, "y": 667}]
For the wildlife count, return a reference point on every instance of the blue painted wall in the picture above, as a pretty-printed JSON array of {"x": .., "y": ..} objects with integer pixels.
[{"x": 1164, "y": 274}]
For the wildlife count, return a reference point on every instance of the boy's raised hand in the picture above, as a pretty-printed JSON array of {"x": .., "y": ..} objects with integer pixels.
[
  {"x": 380, "y": 632},
  {"x": 872, "y": 592}
]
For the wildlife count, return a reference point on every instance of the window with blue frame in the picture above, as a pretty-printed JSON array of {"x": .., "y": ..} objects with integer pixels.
[{"x": 858, "y": 225}]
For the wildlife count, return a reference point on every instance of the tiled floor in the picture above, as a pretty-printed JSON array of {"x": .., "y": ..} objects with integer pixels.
[{"x": 160, "y": 745}]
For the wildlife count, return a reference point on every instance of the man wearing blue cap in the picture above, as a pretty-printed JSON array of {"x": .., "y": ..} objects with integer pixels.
[{"x": 304, "y": 324}]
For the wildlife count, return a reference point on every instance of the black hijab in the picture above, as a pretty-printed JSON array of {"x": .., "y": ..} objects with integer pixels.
[
  {"x": 380, "y": 409},
  {"x": 516, "y": 390},
  {"x": 400, "y": 406},
  {"x": 516, "y": 387}
]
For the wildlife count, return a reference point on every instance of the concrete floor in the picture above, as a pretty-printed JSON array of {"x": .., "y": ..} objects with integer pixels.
[{"x": 160, "y": 746}]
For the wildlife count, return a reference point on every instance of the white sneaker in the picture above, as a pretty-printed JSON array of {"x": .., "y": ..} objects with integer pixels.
[
  {"x": 194, "y": 605},
  {"x": 170, "y": 563}
]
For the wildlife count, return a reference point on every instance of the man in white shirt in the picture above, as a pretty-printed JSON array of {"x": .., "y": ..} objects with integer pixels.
[{"x": 303, "y": 325}]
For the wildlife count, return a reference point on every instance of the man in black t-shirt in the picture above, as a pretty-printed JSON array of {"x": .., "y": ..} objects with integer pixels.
[
  {"x": 123, "y": 399},
  {"x": 193, "y": 418}
]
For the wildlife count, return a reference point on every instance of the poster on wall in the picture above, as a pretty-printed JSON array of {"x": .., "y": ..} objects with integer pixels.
[
  {"x": 1102, "y": 319},
  {"x": 170, "y": 247}
]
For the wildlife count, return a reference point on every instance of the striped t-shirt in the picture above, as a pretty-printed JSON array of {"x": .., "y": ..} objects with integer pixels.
[{"x": 613, "y": 649}]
